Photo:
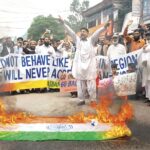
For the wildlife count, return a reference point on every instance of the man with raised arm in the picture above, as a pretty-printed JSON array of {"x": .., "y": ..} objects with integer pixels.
[
  {"x": 146, "y": 67},
  {"x": 84, "y": 64}
]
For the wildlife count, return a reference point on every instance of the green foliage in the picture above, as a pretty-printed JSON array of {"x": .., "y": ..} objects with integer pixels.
[
  {"x": 41, "y": 23},
  {"x": 76, "y": 20}
]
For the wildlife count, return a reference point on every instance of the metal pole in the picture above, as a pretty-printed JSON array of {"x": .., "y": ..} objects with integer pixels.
[{"x": 141, "y": 11}]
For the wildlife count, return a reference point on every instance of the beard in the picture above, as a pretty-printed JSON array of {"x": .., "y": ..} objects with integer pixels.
[
  {"x": 136, "y": 38},
  {"x": 83, "y": 37},
  {"x": 46, "y": 44},
  {"x": 115, "y": 42},
  {"x": 32, "y": 48}
]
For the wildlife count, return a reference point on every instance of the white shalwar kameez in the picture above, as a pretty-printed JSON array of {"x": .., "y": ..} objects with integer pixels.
[
  {"x": 45, "y": 50},
  {"x": 146, "y": 71},
  {"x": 116, "y": 50},
  {"x": 84, "y": 64}
]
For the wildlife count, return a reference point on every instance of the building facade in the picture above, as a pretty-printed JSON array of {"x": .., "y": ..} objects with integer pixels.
[
  {"x": 99, "y": 13},
  {"x": 146, "y": 11},
  {"x": 113, "y": 10}
]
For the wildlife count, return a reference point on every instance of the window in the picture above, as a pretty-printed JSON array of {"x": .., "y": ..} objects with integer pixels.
[
  {"x": 92, "y": 24},
  {"x": 106, "y": 14},
  {"x": 146, "y": 9}
]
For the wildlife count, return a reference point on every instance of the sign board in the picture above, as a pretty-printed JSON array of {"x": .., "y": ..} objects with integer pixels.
[{"x": 134, "y": 25}]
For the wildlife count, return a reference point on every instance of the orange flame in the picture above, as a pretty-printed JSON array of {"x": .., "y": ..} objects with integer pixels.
[
  {"x": 103, "y": 114},
  {"x": 6, "y": 118}
]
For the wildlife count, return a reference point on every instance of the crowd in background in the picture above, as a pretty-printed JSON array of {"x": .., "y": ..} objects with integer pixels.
[
  {"x": 45, "y": 45},
  {"x": 117, "y": 45}
]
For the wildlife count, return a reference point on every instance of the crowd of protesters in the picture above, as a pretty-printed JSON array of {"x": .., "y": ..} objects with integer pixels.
[
  {"x": 117, "y": 45},
  {"x": 45, "y": 45}
]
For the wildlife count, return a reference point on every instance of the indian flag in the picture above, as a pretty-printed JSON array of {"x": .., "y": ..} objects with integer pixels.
[{"x": 62, "y": 131}]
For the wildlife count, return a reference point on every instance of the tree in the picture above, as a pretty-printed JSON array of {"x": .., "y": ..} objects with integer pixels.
[
  {"x": 76, "y": 20},
  {"x": 41, "y": 23}
]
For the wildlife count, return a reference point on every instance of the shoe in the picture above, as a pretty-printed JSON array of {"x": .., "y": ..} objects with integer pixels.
[
  {"x": 27, "y": 91},
  {"x": 147, "y": 101},
  {"x": 73, "y": 96},
  {"x": 14, "y": 93},
  {"x": 22, "y": 91},
  {"x": 32, "y": 91},
  {"x": 81, "y": 103},
  {"x": 93, "y": 104},
  {"x": 44, "y": 90}
]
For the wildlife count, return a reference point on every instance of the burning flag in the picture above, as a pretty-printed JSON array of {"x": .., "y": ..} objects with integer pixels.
[{"x": 100, "y": 126}]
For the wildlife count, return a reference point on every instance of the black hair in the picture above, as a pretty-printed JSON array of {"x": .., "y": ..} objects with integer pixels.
[
  {"x": 132, "y": 65},
  {"x": 147, "y": 33},
  {"x": 25, "y": 41},
  {"x": 84, "y": 28},
  {"x": 114, "y": 66},
  {"x": 46, "y": 37},
  {"x": 19, "y": 38},
  {"x": 55, "y": 40},
  {"x": 42, "y": 38},
  {"x": 137, "y": 30}
]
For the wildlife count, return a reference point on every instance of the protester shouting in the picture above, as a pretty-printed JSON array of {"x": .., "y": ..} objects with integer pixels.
[{"x": 84, "y": 64}]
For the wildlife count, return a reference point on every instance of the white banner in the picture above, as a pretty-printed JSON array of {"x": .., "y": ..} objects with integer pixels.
[
  {"x": 21, "y": 68},
  {"x": 121, "y": 61}
]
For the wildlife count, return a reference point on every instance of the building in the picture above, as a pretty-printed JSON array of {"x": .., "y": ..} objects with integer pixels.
[
  {"x": 146, "y": 11},
  {"x": 99, "y": 13},
  {"x": 113, "y": 10}
]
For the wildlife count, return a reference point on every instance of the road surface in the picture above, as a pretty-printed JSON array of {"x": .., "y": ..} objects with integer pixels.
[{"x": 54, "y": 104}]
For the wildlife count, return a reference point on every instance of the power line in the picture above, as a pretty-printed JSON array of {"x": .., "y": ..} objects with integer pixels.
[
  {"x": 6, "y": 27},
  {"x": 20, "y": 12},
  {"x": 19, "y": 21},
  {"x": 15, "y": 17},
  {"x": 32, "y": 8},
  {"x": 15, "y": 12}
]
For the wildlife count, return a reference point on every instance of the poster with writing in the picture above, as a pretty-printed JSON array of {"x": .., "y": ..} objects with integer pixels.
[
  {"x": 31, "y": 71},
  {"x": 67, "y": 83},
  {"x": 125, "y": 84},
  {"x": 53, "y": 115}
]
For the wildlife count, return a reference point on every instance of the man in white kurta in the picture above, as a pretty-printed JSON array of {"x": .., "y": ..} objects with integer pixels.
[
  {"x": 66, "y": 49},
  {"x": 116, "y": 49},
  {"x": 84, "y": 64},
  {"x": 46, "y": 48},
  {"x": 146, "y": 67}
]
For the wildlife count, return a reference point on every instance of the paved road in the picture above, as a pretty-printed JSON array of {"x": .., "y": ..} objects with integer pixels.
[{"x": 45, "y": 104}]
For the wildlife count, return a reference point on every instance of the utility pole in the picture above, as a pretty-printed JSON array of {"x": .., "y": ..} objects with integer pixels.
[{"x": 141, "y": 11}]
